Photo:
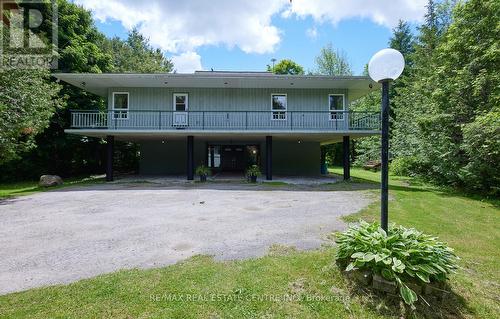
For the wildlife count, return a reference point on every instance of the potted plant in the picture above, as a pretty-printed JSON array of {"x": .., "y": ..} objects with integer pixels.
[
  {"x": 252, "y": 173},
  {"x": 203, "y": 172}
]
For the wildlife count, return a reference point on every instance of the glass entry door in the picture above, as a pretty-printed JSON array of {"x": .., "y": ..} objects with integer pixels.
[{"x": 232, "y": 157}]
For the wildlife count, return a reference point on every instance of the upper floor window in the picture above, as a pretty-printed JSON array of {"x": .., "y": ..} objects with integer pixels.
[
  {"x": 278, "y": 106},
  {"x": 120, "y": 105},
  {"x": 337, "y": 106},
  {"x": 181, "y": 102}
]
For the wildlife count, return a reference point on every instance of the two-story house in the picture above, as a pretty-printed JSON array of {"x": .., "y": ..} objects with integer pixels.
[{"x": 225, "y": 120}]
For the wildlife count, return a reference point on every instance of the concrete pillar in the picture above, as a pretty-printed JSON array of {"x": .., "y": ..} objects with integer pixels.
[
  {"x": 110, "y": 144},
  {"x": 346, "y": 161},
  {"x": 269, "y": 158},
  {"x": 190, "y": 158}
]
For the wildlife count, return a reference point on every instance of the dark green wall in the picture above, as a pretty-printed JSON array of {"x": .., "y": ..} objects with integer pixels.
[
  {"x": 293, "y": 158},
  {"x": 169, "y": 158}
]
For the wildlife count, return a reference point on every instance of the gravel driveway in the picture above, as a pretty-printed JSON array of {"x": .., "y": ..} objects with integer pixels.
[{"x": 66, "y": 235}]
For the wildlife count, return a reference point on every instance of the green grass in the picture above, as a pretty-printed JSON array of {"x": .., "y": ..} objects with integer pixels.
[
  {"x": 275, "y": 183},
  {"x": 255, "y": 288},
  {"x": 29, "y": 187},
  {"x": 469, "y": 224}
]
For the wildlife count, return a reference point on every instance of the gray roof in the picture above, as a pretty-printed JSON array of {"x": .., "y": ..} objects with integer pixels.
[{"x": 98, "y": 83}]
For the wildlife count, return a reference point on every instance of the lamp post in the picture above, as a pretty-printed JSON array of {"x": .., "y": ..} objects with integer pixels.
[{"x": 385, "y": 66}]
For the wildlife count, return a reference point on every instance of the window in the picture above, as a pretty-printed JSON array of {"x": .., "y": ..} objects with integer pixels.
[
  {"x": 278, "y": 106},
  {"x": 180, "y": 102},
  {"x": 120, "y": 105},
  {"x": 337, "y": 106}
]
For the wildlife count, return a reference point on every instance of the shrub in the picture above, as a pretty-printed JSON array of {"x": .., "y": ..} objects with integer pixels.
[
  {"x": 405, "y": 166},
  {"x": 403, "y": 256},
  {"x": 253, "y": 170},
  {"x": 202, "y": 170}
]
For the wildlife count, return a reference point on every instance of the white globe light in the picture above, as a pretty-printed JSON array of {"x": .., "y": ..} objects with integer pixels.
[{"x": 386, "y": 64}]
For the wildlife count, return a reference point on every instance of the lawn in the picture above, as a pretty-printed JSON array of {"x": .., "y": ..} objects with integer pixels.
[
  {"x": 30, "y": 187},
  {"x": 292, "y": 284}
]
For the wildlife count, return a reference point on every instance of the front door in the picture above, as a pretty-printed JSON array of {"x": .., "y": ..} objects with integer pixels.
[{"x": 233, "y": 158}]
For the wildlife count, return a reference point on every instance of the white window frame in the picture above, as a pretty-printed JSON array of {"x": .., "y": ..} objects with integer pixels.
[
  {"x": 123, "y": 113},
  {"x": 333, "y": 114},
  {"x": 175, "y": 95},
  {"x": 281, "y": 112}
]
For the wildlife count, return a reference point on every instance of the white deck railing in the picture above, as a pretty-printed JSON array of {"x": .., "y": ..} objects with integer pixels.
[{"x": 230, "y": 120}]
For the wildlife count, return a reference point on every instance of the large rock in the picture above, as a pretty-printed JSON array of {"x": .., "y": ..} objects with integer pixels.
[{"x": 50, "y": 180}]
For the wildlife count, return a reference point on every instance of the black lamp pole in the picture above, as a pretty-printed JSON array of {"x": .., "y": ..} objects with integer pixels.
[{"x": 384, "y": 198}]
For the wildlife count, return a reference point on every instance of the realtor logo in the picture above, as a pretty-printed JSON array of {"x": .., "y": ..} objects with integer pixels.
[{"x": 28, "y": 37}]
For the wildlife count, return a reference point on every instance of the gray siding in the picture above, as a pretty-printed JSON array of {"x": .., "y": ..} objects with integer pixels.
[{"x": 204, "y": 99}]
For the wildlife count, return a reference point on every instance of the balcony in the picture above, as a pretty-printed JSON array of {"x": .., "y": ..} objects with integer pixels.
[{"x": 313, "y": 121}]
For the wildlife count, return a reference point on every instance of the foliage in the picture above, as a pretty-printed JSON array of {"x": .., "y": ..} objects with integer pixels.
[
  {"x": 27, "y": 102},
  {"x": 82, "y": 48},
  {"x": 404, "y": 165},
  {"x": 332, "y": 62},
  {"x": 253, "y": 170},
  {"x": 482, "y": 146},
  {"x": 136, "y": 55},
  {"x": 202, "y": 170},
  {"x": 286, "y": 66},
  {"x": 80, "y": 43},
  {"x": 402, "y": 40},
  {"x": 401, "y": 255},
  {"x": 452, "y": 84},
  {"x": 367, "y": 148}
]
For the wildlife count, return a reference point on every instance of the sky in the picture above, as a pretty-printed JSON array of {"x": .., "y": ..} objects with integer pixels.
[{"x": 244, "y": 35}]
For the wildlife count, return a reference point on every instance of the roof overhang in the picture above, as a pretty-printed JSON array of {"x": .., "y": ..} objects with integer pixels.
[
  {"x": 98, "y": 83},
  {"x": 141, "y": 135}
]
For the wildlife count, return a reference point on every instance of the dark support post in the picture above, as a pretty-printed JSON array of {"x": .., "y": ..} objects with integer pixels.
[
  {"x": 269, "y": 158},
  {"x": 110, "y": 144},
  {"x": 347, "y": 162},
  {"x": 322, "y": 161},
  {"x": 384, "y": 198},
  {"x": 190, "y": 158},
  {"x": 212, "y": 157}
]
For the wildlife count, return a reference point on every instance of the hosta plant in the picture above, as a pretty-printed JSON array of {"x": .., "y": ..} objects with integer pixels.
[{"x": 403, "y": 255}]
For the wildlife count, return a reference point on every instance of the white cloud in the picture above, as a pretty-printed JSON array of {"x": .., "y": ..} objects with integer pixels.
[
  {"x": 180, "y": 27},
  {"x": 187, "y": 62},
  {"x": 383, "y": 12},
  {"x": 312, "y": 33}
]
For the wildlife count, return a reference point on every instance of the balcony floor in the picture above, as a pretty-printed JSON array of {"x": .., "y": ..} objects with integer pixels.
[{"x": 140, "y": 135}]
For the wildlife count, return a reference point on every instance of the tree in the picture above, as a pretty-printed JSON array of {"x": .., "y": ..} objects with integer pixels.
[
  {"x": 27, "y": 102},
  {"x": 482, "y": 148},
  {"x": 332, "y": 62},
  {"x": 402, "y": 40},
  {"x": 286, "y": 66},
  {"x": 136, "y": 55},
  {"x": 82, "y": 48},
  {"x": 466, "y": 88},
  {"x": 413, "y": 90},
  {"x": 447, "y": 123}
]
